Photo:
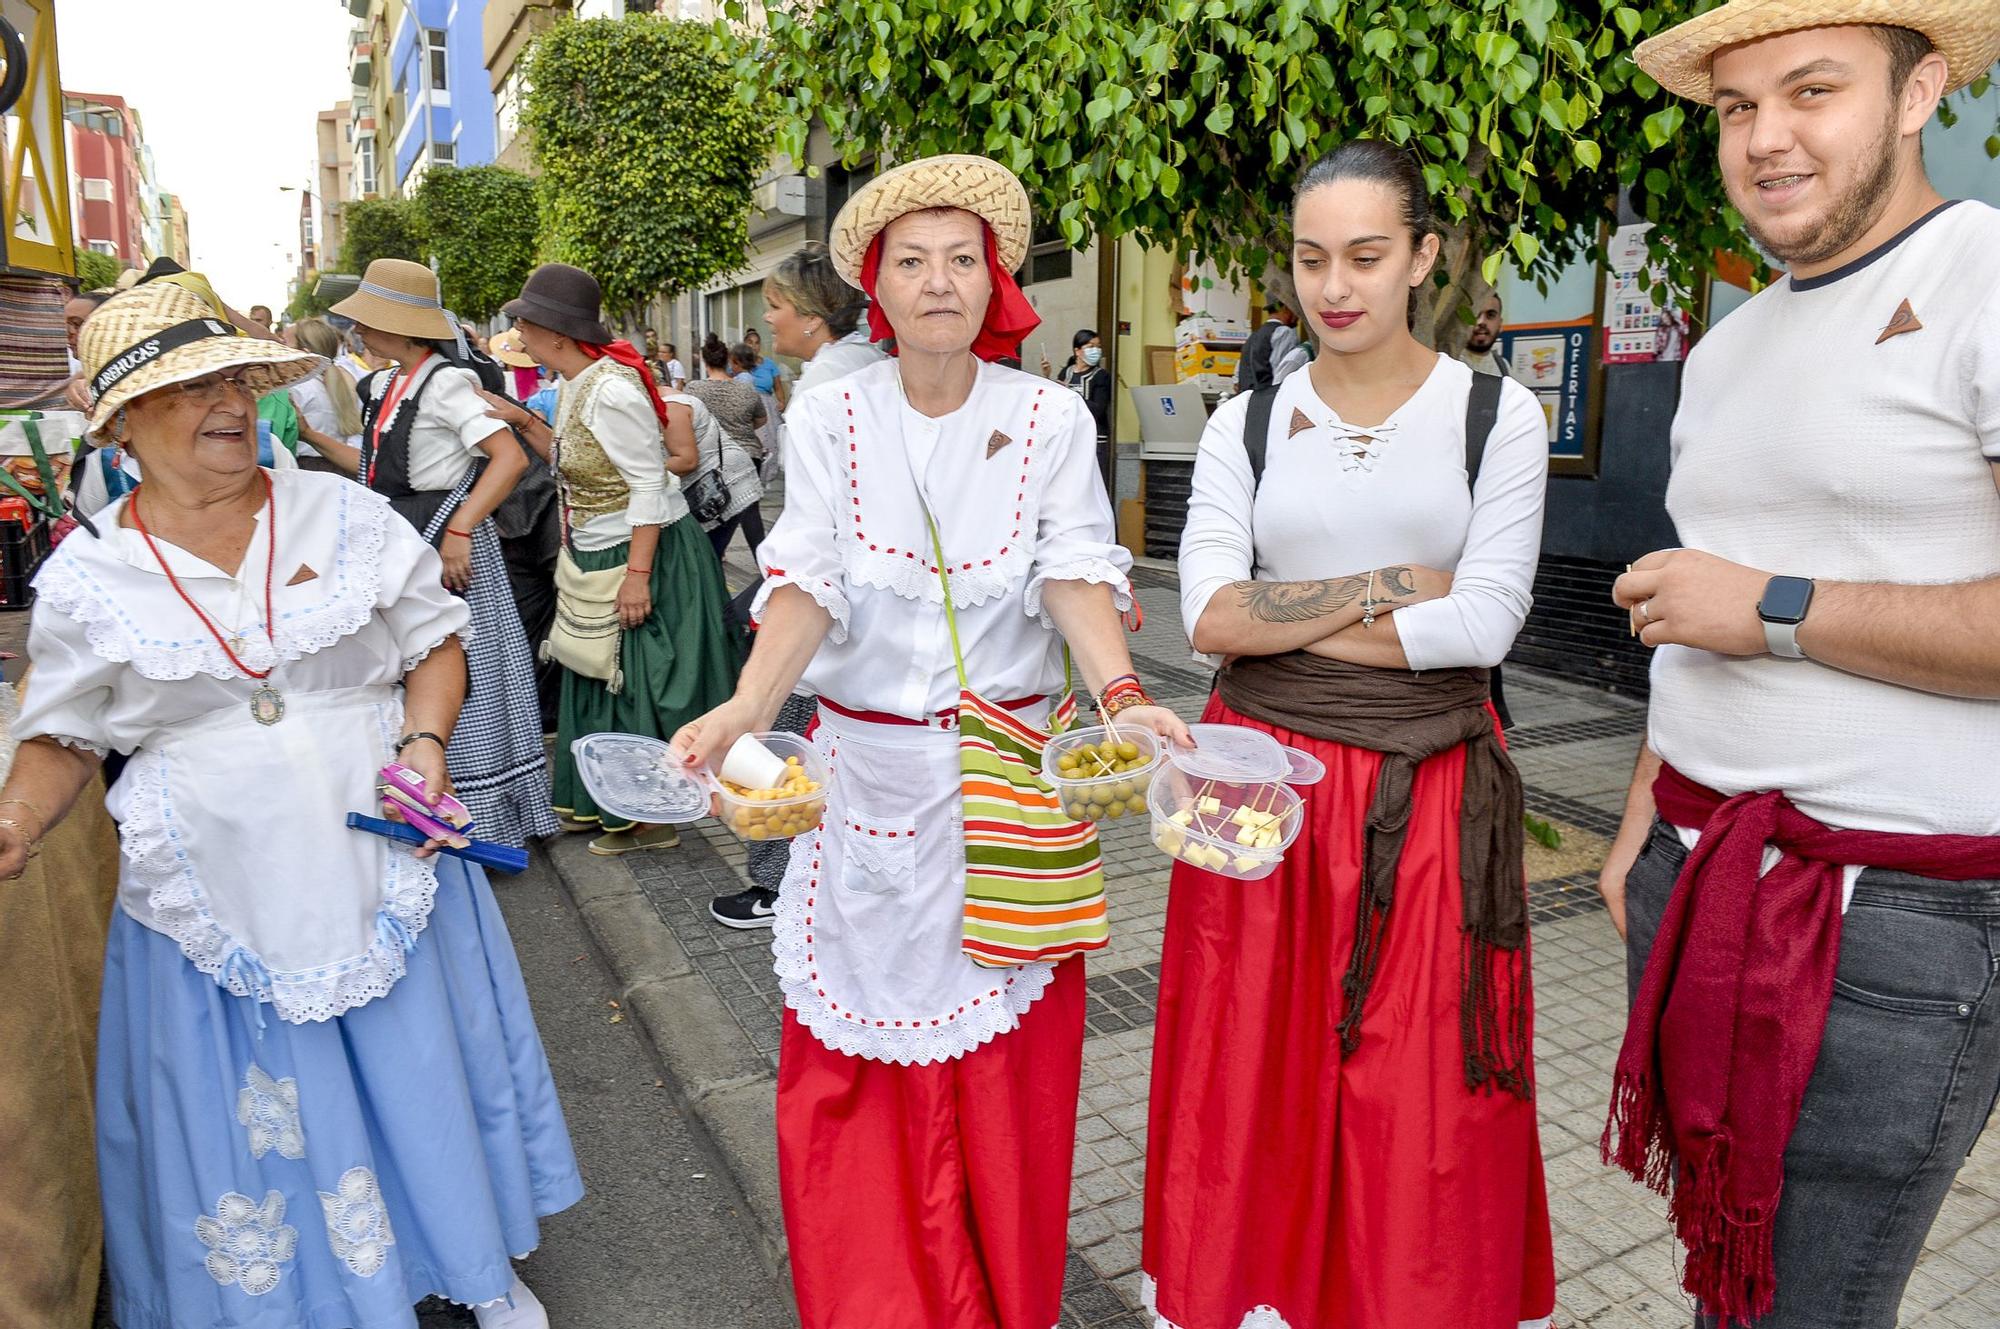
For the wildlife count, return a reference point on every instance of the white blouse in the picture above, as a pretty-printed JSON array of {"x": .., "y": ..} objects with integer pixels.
[
  {"x": 452, "y": 424},
  {"x": 1337, "y": 499},
  {"x": 116, "y": 655},
  {"x": 1012, "y": 478},
  {"x": 621, "y": 419}
]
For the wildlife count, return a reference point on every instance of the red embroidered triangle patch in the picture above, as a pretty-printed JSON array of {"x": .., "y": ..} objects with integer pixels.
[
  {"x": 1904, "y": 320},
  {"x": 996, "y": 442},
  {"x": 1299, "y": 423}
]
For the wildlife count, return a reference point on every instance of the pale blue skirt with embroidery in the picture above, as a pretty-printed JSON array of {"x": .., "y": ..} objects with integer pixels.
[{"x": 265, "y": 1175}]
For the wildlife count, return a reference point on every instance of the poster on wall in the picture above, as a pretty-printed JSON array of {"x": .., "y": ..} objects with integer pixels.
[
  {"x": 1552, "y": 360},
  {"x": 1636, "y": 329}
]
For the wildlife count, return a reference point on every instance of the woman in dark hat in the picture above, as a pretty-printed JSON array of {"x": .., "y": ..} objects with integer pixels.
[{"x": 630, "y": 547}]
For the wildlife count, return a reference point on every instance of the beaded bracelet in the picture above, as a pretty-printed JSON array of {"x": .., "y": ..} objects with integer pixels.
[{"x": 1126, "y": 699}]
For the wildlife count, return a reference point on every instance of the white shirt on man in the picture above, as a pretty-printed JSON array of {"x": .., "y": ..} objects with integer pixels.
[
  {"x": 1333, "y": 504},
  {"x": 1818, "y": 438}
]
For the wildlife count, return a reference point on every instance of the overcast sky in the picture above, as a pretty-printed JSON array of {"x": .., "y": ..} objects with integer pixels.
[{"x": 227, "y": 92}]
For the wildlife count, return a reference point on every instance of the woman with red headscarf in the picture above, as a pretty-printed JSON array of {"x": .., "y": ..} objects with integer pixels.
[
  {"x": 927, "y": 1103},
  {"x": 619, "y": 449}
]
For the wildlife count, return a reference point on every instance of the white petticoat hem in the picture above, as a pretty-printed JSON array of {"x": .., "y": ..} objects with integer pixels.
[{"x": 1257, "y": 1317}]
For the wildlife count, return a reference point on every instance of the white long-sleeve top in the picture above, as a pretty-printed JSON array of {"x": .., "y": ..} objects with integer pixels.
[
  {"x": 1012, "y": 478},
  {"x": 620, "y": 417},
  {"x": 1337, "y": 500}
]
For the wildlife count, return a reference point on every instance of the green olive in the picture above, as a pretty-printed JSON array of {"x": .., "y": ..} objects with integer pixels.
[
  {"x": 1129, "y": 750},
  {"x": 1115, "y": 811}
]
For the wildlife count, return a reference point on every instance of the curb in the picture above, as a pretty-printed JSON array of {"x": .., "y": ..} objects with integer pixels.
[{"x": 713, "y": 1074}]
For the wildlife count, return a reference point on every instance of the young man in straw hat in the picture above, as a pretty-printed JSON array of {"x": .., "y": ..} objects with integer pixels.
[{"x": 1808, "y": 875}]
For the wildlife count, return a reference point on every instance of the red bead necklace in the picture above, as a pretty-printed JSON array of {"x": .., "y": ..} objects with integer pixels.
[{"x": 266, "y": 704}]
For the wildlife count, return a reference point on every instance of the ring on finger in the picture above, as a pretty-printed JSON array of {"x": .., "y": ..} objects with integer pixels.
[{"x": 1645, "y": 610}]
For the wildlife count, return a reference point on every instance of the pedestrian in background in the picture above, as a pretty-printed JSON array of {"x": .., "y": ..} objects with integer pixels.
[
  {"x": 1085, "y": 375},
  {"x": 329, "y": 406},
  {"x": 738, "y": 410}
]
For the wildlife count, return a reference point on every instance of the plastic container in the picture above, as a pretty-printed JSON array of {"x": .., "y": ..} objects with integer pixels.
[
  {"x": 640, "y": 779},
  {"x": 1117, "y": 792},
  {"x": 645, "y": 780},
  {"x": 1233, "y": 828},
  {"x": 778, "y": 813},
  {"x": 1234, "y": 753}
]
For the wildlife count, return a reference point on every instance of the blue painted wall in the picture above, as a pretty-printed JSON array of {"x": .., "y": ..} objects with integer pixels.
[{"x": 463, "y": 112}]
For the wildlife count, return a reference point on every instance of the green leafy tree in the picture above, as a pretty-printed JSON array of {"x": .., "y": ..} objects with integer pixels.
[
  {"x": 1187, "y": 122},
  {"x": 479, "y": 225},
  {"x": 381, "y": 228},
  {"x": 307, "y": 302},
  {"x": 647, "y": 155},
  {"x": 95, "y": 271}
]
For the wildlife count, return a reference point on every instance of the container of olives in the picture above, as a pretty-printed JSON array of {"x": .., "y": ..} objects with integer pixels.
[
  {"x": 792, "y": 807},
  {"x": 1102, "y": 774},
  {"x": 1233, "y": 828}
]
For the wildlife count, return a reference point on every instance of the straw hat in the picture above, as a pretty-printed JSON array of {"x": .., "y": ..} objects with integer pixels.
[
  {"x": 161, "y": 333},
  {"x": 508, "y": 350},
  {"x": 1965, "y": 32},
  {"x": 399, "y": 297},
  {"x": 978, "y": 185}
]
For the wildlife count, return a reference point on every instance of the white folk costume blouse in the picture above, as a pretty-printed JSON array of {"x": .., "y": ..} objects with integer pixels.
[
  {"x": 611, "y": 408},
  {"x": 451, "y": 424},
  {"x": 233, "y": 831},
  {"x": 1337, "y": 499},
  {"x": 869, "y": 921}
]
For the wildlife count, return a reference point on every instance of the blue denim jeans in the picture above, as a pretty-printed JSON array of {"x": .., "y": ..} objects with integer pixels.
[{"x": 1908, "y": 1074}]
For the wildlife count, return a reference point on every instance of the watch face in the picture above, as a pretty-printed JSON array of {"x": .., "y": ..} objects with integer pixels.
[{"x": 1785, "y": 600}]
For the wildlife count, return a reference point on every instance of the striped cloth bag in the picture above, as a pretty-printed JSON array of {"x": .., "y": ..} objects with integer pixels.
[{"x": 1034, "y": 884}]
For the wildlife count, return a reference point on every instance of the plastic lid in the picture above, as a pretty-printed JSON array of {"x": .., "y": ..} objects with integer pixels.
[
  {"x": 1237, "y": 755},
  {"x": 639, "y": 778},
  {"x": 1232, "y": 753}
]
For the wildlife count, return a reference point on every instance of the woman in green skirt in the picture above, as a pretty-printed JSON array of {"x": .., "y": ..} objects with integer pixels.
[{"x": 618, "y": 449}]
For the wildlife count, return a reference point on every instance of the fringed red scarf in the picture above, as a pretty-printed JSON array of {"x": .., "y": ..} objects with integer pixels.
[
  {"x": 1727, "y": 1025},
  {"x": 1009, "y": 316},
  {"x": 625, "y": 353}
]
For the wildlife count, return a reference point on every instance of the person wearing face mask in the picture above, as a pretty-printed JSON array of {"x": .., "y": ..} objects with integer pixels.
[
  {"x": 1343, "y": 1131},
  {"x": 1085, "y": 375}
]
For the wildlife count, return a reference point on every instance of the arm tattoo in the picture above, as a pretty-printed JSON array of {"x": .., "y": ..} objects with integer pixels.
[{"x": 1303, "y": 601}]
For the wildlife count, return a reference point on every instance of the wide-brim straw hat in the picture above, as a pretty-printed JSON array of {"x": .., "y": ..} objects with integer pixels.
[
  {"x": 1965, "y": 32},
  {"x": 563, "y": 299},
  {"x": 978, "y": 185},
  {"x": 162, "y": 333},
  {"x": 508, "y": 350},
  {"x": 399, "y": 297}
]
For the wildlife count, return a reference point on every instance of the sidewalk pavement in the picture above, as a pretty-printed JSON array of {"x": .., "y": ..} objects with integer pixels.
[{"x": 708, "y": 999}]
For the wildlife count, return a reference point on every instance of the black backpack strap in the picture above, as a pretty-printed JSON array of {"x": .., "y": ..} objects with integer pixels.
[
  {"x": 1482, "y": 412},
  {"x": 1257, "y": 433}
]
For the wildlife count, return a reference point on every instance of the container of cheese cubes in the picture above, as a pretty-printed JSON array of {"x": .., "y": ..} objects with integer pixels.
[
  {"x": 789, "y": 802},
  {"x": 1102, "y": 774},
  {"x": 645, "y": 780},
  {"x": 1227, "y": 805}
]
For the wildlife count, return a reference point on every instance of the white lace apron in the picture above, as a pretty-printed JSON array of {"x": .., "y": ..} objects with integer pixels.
[
  {"x": 236, "y": 846},
  {"x": 869, "y": 921}
]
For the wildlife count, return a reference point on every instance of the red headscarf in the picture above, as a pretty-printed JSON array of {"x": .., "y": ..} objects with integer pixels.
[
  {"x": 1009, "y": 316},
  {"x": 624, "y": 353}
]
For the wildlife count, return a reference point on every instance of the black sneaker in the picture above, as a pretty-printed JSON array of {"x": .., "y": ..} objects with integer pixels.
[{"x": 750, "y": 908}]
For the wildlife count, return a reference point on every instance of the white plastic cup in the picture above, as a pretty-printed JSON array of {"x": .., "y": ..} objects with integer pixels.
[{"x": 751, "y": 765}]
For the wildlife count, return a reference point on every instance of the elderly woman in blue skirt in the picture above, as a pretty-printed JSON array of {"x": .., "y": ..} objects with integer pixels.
[{"x": 321, "y": 1095}]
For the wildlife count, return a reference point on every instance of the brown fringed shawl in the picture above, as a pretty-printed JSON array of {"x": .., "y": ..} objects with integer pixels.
[{"x": 1409, "y": 718}]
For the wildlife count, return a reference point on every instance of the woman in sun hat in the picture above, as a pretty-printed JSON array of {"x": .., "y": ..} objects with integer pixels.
[
  {"x": 429, "y": 446},
  {"x": 926, "y": 1102},
  {"x": 321, "y": 1096},
  {"x": 619, "y": 447}
]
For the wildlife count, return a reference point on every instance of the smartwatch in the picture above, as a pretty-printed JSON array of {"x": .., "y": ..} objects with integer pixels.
[{"x": 1783, "y": 608}]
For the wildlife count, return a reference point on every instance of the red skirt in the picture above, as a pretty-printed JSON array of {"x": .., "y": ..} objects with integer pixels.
[
  {"x": 937, "y": 1196},
  {"x": 1374, "y": 1192}
]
